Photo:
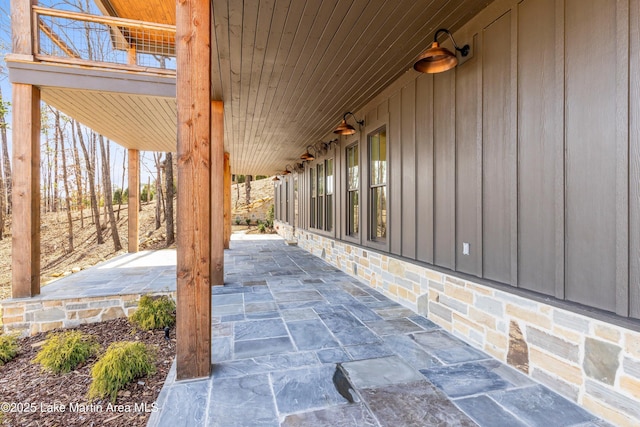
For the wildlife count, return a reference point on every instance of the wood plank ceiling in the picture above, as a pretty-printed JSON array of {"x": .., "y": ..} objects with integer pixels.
[
  {"x": 287, "y": 70},
  {"x": 142, "y": 122}
]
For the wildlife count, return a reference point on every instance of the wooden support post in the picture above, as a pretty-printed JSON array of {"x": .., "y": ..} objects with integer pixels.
[
  {"x": 134, "y": 200},
  {"x": 132, "y": 55},
  {"x": 22, "y": 28},
  {"x": 217, "y": 193},
  {"x": 193, "y": 94},
  {"x": 227, "y": 200},
  {"x": 25, "y": 238}
]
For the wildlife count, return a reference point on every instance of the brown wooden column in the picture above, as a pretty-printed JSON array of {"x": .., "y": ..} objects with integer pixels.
[
  {"x": 217, "y": 193},
  {"x": 193, "y": 93},
  {"x": 227, "y": 200},
  {"x": 134, "y": 200},
  {"x": 25, "y": 240}
]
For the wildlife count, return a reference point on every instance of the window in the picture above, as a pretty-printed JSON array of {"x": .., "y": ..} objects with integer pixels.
[
  {"x": 296, "y": 217},
  {"x": 312, "y": 208},
  {"x": 328, "y": 226},
  {"x": 321, "y": 208},
  {"x": 320, "y": 177},
  {"x": 286, "y": 201},
  {"x": 378, "y": 185},
  {"x": 353, "y": 185}
]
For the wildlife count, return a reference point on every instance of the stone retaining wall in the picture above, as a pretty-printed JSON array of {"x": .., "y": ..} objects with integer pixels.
[
  {"x": 591, "y": 362},
  {"x": 30, "y": 316}
]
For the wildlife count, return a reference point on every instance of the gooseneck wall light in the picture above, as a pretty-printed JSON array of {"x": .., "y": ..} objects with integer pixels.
[
  {"x": 437, "y": 59},
  {"x": 345, "y": 128},
  {"x": 307, "y": 156}
]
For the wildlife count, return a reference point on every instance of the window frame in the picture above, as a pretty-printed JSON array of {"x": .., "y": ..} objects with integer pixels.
[
  {"x": 348, "y": 234},
  {"x": 376, "y": 180}
]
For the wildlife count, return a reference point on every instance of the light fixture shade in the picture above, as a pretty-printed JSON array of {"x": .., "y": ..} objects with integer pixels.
[
  {"x": 275, "y": 178},
  {"x": 307, "y": 156},
  {"x": 345, "y": 128},
  {"x": 436, "y": 59}
]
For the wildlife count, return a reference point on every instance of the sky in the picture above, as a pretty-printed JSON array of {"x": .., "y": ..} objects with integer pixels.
[{"x": 5, "y": 47}]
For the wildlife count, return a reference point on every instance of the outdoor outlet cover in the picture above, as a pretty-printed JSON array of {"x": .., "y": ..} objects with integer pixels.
[{"x": 465, "y": 249}]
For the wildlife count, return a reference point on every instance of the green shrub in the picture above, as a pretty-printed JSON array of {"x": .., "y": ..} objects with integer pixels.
[
  {"x": 271, "y": 214},
  {"x": 237, "y": 221},
  {"x": 8, "y": 348},
  {"x": 63, "y": 352},
  {"x": 247, "y": 220},
  {"x": 262, "y": 228},
  {"x": 154, "y": 312},
  {"x": 122, "y": 363}
]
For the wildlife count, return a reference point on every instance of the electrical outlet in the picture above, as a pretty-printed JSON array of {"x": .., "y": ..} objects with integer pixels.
[{"x": 465, "y": 248}]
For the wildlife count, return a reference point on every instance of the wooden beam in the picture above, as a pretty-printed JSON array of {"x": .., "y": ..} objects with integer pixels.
[
  {"x": 25, "y": 240},
  {"x": 227, "y": 200},
  {"x": 193, "y": 89},
  {"x": 134, "y": 200},
  {"x": 21, "y": 27},
  {"x": 218, "y": 189}
]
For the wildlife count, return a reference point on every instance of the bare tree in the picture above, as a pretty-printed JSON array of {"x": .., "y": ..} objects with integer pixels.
[
  {"x": 65, "y": 178},
  {"x": 168, "y": 214},
  {"x": 78, "y": 172},
  {"x": 92, "y": 186},
  {"x": 56, "y": 151},
  {"x": 124, "y": 174},
  {"x": 6, "y": 163},
  {"x": 247, "y": 188},
  {"x": 108, "y": 197},
  {"x": 158, "y": 160}
]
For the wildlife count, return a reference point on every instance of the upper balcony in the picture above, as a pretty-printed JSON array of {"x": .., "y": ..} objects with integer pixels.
[
  {"x": 114, "y": 75},
  {"x": 102, "y": 41}
]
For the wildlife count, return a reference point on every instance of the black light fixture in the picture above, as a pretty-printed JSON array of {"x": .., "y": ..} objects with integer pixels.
[
  {"x": 437, "y": 59},
  {"x": 275, "y": 178},
  {"x": 307, "y": 155},
  {"x": 286, "y": 170},
  {"x": 345, "y": 128}
]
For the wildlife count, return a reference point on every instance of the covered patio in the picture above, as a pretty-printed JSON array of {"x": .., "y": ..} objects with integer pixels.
[
  {"x": 286, "y": 320},
  {"x": 499, "y": 198}
]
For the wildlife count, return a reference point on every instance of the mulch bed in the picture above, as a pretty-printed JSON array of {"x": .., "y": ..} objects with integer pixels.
[{"x": 38, "y": 397}]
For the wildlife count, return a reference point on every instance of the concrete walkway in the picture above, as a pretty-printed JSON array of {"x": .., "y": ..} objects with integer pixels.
[{"x": 298, "y": 343}]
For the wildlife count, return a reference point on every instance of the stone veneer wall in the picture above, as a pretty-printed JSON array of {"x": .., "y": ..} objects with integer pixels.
[
  {"x": 30, "y": 316},
  {"x": 591, "y": 362}
]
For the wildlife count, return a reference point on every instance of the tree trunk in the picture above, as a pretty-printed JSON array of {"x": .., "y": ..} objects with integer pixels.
[
  {"x": 78, "y": 172},
  {"x": 56, "y": 151},
  {"x": 92, "y": 187},
  {"x": 108, "y": 196},
  {"x": 158, "y": 158},
  {"x": 65, "y": 177},
  {"x": 124, "y": 174},
  {"x": 168, "y": 215},
  {"x": 6, "y": 163},
  {"x": 237, "y": 194},
  {"x": 247, "y": 188}
]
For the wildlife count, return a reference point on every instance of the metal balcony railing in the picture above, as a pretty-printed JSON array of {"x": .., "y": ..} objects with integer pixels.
[{"x": 80, "y": 38}]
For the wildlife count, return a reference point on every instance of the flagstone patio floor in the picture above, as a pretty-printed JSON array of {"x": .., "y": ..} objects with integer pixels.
[{"x": 296, "y": 342}]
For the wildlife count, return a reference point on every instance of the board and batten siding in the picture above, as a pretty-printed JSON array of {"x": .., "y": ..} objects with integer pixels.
[{"x": 529, "y": 152}]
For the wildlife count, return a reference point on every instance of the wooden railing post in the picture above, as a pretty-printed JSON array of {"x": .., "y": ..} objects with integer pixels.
[
  {"x": 227, "y": 200},
  {"x": 193, "y": 94},
  {"x": 134, "y": 200}
]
